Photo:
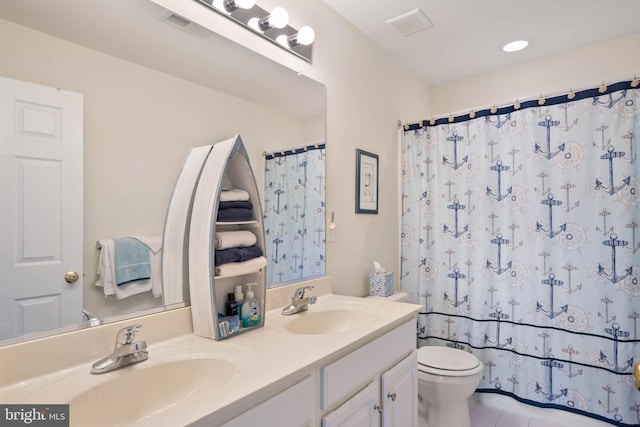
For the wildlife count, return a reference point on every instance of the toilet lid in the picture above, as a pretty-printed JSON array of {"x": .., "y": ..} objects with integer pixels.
[{"x": 446, "y": 358}]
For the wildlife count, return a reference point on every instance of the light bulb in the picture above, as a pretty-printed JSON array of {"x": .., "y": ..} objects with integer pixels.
[
  {"x": 279, "y": 17},
  {"x": 219, "y": 4},
  {"x": 306, "y": 35},
  {"x": 254, "y": 23},
  {"x": 283, "y": 40},
  {"x": 245, "y": 4}
]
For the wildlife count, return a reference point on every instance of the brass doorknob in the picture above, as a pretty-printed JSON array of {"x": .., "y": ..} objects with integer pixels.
[
  {"x": 636, "y": 374},
  {"x": 71, "y": 277}
]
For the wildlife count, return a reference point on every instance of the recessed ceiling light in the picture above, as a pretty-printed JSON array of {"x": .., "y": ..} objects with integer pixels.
[{"x": 515, "y": 45}]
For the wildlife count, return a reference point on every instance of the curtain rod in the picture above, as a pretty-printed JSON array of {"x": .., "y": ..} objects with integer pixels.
[
  {"x": 518, "y": 103},
  {"x": 295, "y": 150}
]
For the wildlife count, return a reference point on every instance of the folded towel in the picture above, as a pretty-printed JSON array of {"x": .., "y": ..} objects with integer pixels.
[
  {"x": 234, "y": 239},
  {"x": 233, "y": 195},
  {"x": 106, "y": 270},
  {"x": 235, "y": 214},
  {"x": 235, "y": 204},
  {"x": 225, "y": 256},
  {"x": 131, "y": 260},
  {"x": 238, "y": 268}
]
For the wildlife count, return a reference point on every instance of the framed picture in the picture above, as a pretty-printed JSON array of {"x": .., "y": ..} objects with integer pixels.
[{"x": 366, "y": 182}]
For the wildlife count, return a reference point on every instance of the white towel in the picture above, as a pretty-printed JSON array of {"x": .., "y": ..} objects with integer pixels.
[
  {"x": 106, "y": 270},
  {"x": 244, "y": 267},
  {"x": 234, "y": 195},
  {"x": 235, "y": 239}
]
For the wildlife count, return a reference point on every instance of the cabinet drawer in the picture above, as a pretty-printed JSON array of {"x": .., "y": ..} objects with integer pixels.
[
  {"x": 345, "y": 376},
  {"x": 291, "y": 408}
]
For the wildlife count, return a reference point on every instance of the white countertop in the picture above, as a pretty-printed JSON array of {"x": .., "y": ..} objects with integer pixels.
[{"x": 267, "y": 359}]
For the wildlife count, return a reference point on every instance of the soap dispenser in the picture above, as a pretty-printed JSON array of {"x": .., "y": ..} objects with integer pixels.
[
  {"x": 250, "y": 309},
  {"x": 239, "y": 296}
]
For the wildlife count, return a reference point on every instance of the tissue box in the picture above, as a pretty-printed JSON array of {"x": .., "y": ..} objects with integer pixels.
[{"x": 381, "y": 285}]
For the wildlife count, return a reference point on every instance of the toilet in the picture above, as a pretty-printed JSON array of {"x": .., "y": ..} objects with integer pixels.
[{"x": 447, "y": 377}]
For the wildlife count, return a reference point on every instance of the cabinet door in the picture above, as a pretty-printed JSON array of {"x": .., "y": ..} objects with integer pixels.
[
  {"x": 400, "y": 394},
  {"x": 291, "y": 408},
  {"x": 359, "y": 411}
]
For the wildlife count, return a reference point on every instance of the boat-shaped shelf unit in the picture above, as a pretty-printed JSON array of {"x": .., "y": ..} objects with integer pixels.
[
  {"x": 175, "y": 242},
  {"x": 226, "y": 166}
]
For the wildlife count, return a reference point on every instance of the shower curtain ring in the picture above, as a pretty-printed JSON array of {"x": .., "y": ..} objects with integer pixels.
[{"x": 603, "y": 88}]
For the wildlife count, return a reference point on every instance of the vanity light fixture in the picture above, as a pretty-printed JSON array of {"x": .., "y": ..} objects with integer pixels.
[{"x": 271, "y": 25}]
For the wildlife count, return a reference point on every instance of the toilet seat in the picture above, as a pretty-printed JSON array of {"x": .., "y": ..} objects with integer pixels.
[{"x": 446, "y": 361}]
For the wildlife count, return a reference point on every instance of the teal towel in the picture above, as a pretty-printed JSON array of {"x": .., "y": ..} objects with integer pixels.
[{"x": 131, "y": 259}]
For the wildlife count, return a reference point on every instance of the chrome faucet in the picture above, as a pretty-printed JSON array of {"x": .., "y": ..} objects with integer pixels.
[
  {"x": 299, "y": 302},
  {"x": 125, "y": 352}
]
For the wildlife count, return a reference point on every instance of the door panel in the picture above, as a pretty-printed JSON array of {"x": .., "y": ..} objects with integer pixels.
[{"x": 41, "y": 209}]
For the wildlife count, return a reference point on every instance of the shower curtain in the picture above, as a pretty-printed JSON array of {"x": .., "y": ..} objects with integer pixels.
[
  {"x": 294, "y": 214},
  {"x": 521, "y": 239}
]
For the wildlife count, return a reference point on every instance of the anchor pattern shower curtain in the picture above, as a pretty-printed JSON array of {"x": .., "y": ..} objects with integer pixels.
[
  {"x": 521, "y": 239},
  {"x": 294, "y": 214}
]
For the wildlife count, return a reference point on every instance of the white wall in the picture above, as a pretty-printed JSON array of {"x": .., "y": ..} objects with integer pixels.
[{"x": 610, "y": 61}]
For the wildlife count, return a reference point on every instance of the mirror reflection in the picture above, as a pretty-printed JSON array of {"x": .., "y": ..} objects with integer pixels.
[
  {"x": 150, "y": 92},
  {"x": 294, "y": 214}
]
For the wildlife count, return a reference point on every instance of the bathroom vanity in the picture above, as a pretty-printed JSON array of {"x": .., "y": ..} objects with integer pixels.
[{"x": 344, "y": 360}]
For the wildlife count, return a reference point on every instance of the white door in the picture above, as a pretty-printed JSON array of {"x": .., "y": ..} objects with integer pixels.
[
  {"x": 400, "y": 394},
  {"x": 40, "y": 207}
]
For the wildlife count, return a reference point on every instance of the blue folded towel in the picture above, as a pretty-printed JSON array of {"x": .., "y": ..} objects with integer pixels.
[
  {"x": 234, "y": 214},
  {"x": 132, "y": 260},
  {"x": 235, "y": 204},
  {"x": 224, "y": 256}
]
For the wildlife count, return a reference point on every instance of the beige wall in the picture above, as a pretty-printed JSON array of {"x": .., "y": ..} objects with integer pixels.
[{"x": 611, "y": 61}]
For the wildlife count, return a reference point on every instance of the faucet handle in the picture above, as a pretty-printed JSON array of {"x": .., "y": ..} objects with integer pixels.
[
  {"x": 313, "y": 299},
  {"x": 299, "y": 293},
  {"x": 126, "y": 335}
]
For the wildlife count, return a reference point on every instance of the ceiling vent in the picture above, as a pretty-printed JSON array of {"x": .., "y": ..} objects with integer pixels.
[
  {"x": 187, "y": 26},
  {"x": 410, "y": 22}
]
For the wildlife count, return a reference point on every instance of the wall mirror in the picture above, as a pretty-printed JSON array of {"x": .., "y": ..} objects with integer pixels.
[{"x": 153, "y": 85}]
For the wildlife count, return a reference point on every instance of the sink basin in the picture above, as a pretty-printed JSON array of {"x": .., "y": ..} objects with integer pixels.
[
  {"x": 329, "y": 321},
  {"x": 152, "y": 392},
  {"x": 149, "y": 391}
]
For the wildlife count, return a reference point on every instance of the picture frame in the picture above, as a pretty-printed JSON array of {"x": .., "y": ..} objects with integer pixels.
[{"x": 367, "y": 166}]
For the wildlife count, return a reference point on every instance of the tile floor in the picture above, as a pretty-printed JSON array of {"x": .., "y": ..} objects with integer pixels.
[
  {"x": 489, "y": 416},
  {"x": 483, "y": 415}
]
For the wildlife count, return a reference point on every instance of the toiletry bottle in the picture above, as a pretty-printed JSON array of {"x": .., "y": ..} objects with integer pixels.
[
  {"x": 250, "y": 309},
  {"x": 231, "y": 308},
  {"x": 239, "y": 296}
]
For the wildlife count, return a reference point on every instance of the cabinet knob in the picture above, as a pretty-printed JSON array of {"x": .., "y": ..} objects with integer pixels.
[
  {"x": 378, "y": 408},
  {"x": 392, "y": 396}
]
